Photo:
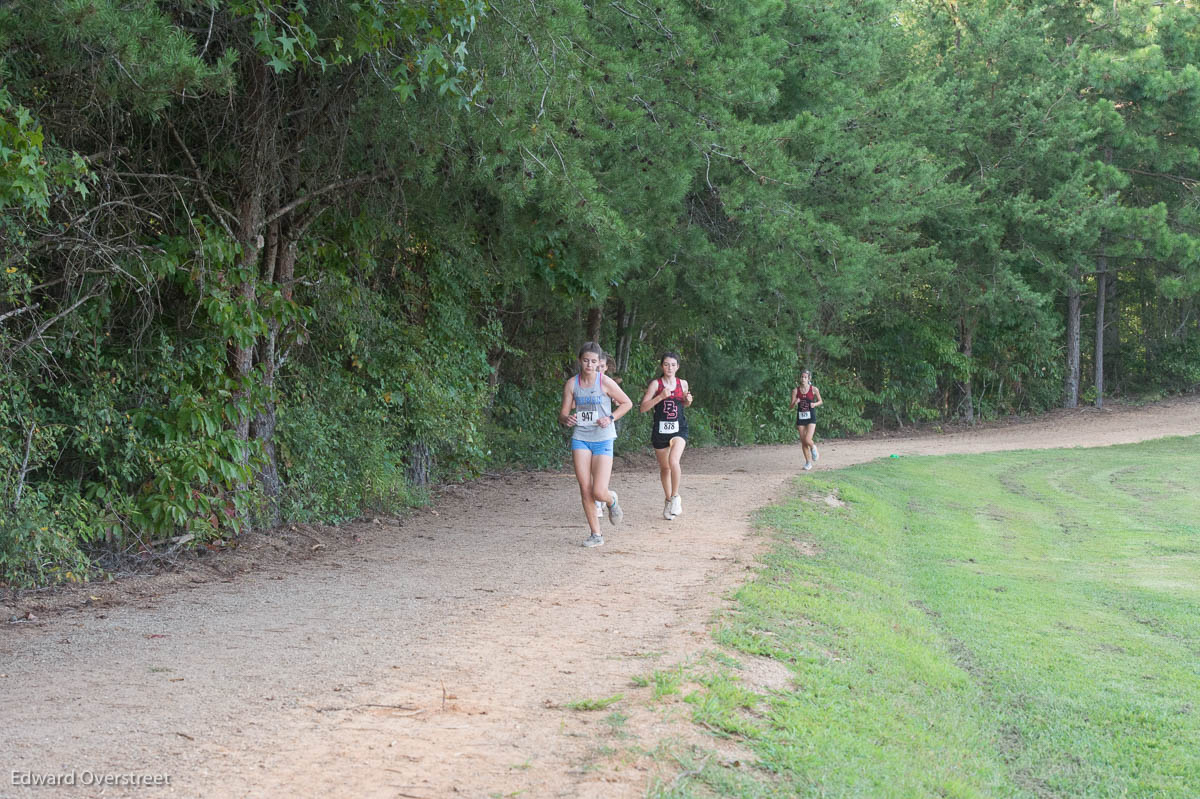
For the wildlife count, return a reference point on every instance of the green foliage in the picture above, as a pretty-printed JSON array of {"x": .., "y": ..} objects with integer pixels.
[
  {"x": 845, "y": 401},
  {"x": 268, "y": 260},
  {"x": 42, "y": 527},
  {"x": 595, "y": 704},
  {"x": 341, "y": 456},
  {"x": 1175, "y": 366},
  {"x": 43, "y": 539},
  {"x": 126, "y": 475},
  {"x": 524, "y": 429},
  {"x": 291, "y": 35},
  {"x": 130, "y": 52},
  {"x": 966, "y": 626},
  {"x": 29, "y": 170},
  {"x": 666, "y": 683}
]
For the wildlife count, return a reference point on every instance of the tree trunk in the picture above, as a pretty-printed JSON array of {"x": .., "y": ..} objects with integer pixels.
[
  {"x": 625, "y": 319},
  {"x": 262, "y": 427},
  {"x": 251, "y": 213},
  {"x": 1112, "y": 336},
  {"x": 804, "y": 354},
  {"x": 279, "y": 269},
  {"x": 594, "y": 318},
  {"x": 1071, "y": 392},
  {"x": 495, "y": 361},
  {"x": 420, "y": 463},
  {"x": 1101, "y": 294},
  {"x": 512, "y": 321},
  {"x": 966, "y": 347}
]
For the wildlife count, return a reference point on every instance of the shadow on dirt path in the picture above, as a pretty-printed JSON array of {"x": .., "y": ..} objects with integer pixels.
[{"x": 436, "y": 655}]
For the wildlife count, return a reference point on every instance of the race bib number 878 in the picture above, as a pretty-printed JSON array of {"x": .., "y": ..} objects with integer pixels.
[{"x": 668, "y": 427}]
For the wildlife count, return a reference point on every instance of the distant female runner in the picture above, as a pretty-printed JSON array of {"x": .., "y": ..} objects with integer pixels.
[
  {"x": 805, "y": 399},
  {"x": 592, "y": 394},
  {"x": 602, "y": 369},
  {"x": 668, "y": 396}
]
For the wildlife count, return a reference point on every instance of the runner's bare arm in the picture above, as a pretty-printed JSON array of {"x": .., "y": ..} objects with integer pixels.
[
  {"x": 650, "y": 398},
  {"x": 816, "y": 397},
  {"x": 565, "y": 417},
  {"x": 687, "y": 394},
  {"x": 795, "y": 397},
  {"x": 624, "y": 403}
]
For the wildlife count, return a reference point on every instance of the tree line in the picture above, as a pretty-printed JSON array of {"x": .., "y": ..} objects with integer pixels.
[{"x": 276, "y": 260}]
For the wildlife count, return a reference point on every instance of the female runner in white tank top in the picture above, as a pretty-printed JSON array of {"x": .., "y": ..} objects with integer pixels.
[{"x": 587, "y": 408}]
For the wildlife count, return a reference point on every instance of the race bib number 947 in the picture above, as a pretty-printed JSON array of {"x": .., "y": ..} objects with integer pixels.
[{"x": 587, "y": 418}]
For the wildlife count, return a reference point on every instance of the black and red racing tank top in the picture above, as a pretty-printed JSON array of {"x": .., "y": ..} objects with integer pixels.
[
  {"x": 805, "y": 400},
  {"x": 671, "y": 408}
]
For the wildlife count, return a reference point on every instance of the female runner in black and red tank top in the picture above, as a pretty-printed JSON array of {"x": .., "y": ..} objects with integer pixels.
[
  {"x": 805, "y": 399},
  {"x": 668, "y": 396}
]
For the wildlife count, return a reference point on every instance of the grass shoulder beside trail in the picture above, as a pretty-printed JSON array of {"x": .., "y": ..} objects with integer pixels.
[{"x": 1003, "y": 625}]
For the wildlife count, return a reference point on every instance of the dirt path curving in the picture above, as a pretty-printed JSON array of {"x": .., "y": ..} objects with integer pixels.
[{"x": 437, "y": 655}]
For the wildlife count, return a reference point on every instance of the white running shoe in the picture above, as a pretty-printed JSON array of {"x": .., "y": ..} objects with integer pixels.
[
  {"x": 615, "y": 514},
  {"x": 815, "y": 454},
  {"x": 676, "y": 505},
  {"x": 599, "y": 509},
  {"x": 807, "y": 466},
  {"x": 667, "y": 511}
]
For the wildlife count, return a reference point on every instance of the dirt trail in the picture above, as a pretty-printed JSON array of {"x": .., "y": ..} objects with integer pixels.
[{"x": 435, "y": 656}]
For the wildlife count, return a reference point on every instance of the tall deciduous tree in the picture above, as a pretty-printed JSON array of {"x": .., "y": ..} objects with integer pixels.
[{"x": 216, "y": 133}]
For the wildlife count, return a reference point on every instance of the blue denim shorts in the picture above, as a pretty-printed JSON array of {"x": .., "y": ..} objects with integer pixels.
[{"x": 596, "y": 447}]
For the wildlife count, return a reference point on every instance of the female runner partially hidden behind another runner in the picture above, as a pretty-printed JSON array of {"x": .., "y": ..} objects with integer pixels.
[
  {"x": 602, "y": 369},
  {"x": 805, "y": 398},
  {"x": 592, "y": 395},
  {"x": 668, "y": 396}
]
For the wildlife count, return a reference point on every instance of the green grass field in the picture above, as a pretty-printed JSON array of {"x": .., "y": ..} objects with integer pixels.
[{"x": 1008, "y": 625}]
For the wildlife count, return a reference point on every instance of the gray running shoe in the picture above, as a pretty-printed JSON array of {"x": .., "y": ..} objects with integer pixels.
[
  {"x": 815, "y": 454},
  {"x": 614, "y": 509},
  {"x": 676, "y": 505},
  {"x": 667, "y": 511},
  {"x": 593, "y": 540},
  {"x": 807, "y": 466}
]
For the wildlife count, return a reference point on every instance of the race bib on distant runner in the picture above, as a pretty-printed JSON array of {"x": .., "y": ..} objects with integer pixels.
[
  {"x": 668, "y": 427},
  {"x": 586, "y": 418},
  {"x": 804, "y": 415}
]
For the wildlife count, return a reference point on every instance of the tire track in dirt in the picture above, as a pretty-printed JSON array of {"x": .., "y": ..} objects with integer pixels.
[{"x": 436, "y": 656}]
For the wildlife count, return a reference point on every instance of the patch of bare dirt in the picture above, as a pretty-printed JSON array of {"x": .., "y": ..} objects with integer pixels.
[
  {"x": 435, "y": 655},
  {"x": 156, "y": 573}
]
